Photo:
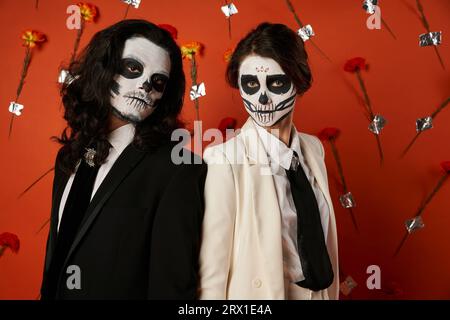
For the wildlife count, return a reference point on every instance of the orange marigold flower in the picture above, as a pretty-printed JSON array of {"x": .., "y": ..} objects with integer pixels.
[
  {"x": 88, "y": 11},
  {"x": 227, "y": 55},
  {"x": 190, "y": 49},
  {"x": 31, "y": 38}
]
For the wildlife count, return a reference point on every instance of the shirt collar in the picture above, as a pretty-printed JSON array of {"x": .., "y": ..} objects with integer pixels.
[
  {"x": 276, "y": 150},
  {"x": 121, "y": 137}
]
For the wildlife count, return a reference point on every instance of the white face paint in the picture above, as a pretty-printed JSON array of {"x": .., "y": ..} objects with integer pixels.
[
  {"x": 268, "y": 93},
  {"x": 144, "y": 74}
]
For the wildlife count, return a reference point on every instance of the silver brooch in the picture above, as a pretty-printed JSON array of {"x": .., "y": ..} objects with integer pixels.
[
  {"x": 89, "y": 157},
  {"x": 295, "y": 162}
]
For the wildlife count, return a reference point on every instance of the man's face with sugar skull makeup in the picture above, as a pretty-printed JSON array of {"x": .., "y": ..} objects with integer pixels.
[
  {"x": 268, "y": 93},
  {"x": 143, "y": 77}
]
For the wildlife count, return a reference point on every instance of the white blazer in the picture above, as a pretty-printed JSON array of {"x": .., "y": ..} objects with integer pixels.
[{"x": 241, "y": 252}]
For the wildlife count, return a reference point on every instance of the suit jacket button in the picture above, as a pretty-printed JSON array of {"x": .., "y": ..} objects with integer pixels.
[{"x": 257, "y": 283}]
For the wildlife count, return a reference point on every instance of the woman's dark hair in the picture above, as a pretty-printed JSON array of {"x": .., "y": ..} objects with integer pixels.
[
  {"x": 278, "y": 42},
  {"x": 87, "y": 99}
]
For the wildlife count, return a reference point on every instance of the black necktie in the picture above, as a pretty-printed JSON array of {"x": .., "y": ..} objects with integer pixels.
[
  {"x": 312, "y": 249},
  {"x": 73, "y": 214}
]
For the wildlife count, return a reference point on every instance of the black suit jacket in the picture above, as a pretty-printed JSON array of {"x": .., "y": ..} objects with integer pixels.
[{"x": 140, "y": 236}]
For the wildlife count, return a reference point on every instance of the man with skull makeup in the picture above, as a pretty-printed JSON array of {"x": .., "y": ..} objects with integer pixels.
[
  {"x": 269, "y": 229},
  {"x": 125, "y": 220}
]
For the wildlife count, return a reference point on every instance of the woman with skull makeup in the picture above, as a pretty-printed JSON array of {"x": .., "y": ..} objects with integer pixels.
[
  {"x": 269, "y": 229},
  {"x": 125, "y": 220}
]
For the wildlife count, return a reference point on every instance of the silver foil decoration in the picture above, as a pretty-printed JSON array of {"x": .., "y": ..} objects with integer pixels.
[
  {"x": 65, "y": 77},
  {"x": 430, "y": 39},
  {"x": 134, "y": 3},
  {"x": 197, "y": 91},
  {"x": 306, "y": 32},
  {"x": 15, "y": 108},
  {"x": 369, "y": 6},
  {"x": 89, "y": 157},
  {"x": 347, "y": 200},
  {"x": 229, "y": 9},
  {"x": 423, "y": 124},
  {"x": 377, "y": 124},
  {"x": 348, "y": 285},
  {"x": 414, "y": 224}
]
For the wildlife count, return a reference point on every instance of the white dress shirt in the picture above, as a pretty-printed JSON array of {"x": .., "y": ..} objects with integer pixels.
[
  {"x": 280, "y": 158},
  {"x": 119, "y": 138}
]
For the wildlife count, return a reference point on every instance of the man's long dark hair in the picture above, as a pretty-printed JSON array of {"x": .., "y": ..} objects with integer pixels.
[{"x": 87, "y": 99}]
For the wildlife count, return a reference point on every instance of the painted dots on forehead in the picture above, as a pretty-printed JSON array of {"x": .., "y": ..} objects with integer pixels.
[{"x": 254, "y": 64}]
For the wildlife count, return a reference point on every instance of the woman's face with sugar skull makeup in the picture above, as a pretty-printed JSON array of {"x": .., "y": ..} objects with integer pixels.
[
  {"x": 143, "y": 77},
  {"x": 268, "y": 93}
]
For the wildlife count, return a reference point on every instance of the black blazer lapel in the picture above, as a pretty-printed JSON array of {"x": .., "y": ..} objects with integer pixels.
[
  {"x": 59, "y": 187},
  {"x": 126, "y": 162}
]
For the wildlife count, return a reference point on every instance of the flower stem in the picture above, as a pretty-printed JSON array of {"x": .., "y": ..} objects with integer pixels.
[
  {"x": 432, "y": 194},
  {"x": 433, "y": 115},
  {"x": 36, "y": 181},
  {"x": 427, "y": 27},
  {"x": 126, "y": 11},
  {"x": 26, "y": 64},
  {"x": 422, "y": 208},
  {"x": 77, "y": 41},
  {"x": 402, "y": 242},
  {"x": 422, "y": 16},
  {"x": 365, "y": 94},
  {"x": 440, "y": 108},
  {"x": 291, "y": 8},
  {"x": 384, "y": 23},
  {"x": 370, "y": 111},
  {"x": 439, "y": 57},
  {"x": 380, "y": 149},
  {"x": 43, "y": 225},
  {"x": 23, "y": 75},
  {"x": 410, "y": 144},
  {"x": 339, "y": 164},
  {"x": 341, "y": 175}
]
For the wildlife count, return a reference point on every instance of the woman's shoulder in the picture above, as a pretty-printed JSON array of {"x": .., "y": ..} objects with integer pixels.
[
  {"x": 313, "y": 142},
  {"x": 230, "y": 151}
]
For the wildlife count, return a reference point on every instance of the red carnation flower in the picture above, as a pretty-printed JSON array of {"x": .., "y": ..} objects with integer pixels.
[
  {"x": 9, "y": 240},
  {"x": 329, "y": 134},
  {"x": 446, "y": 166},
  {"x": 355, "y": 64},
  {"x": 227, "y": 123},
  {"x": 171, "y": 29}
]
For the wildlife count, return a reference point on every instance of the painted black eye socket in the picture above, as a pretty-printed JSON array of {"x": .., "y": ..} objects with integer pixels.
[
  {"x": 131, "y": 68},
  {"x": 250, "y": 84},
  {"x": 159, "y": 81},
  {"x": 279, "y": 83}
]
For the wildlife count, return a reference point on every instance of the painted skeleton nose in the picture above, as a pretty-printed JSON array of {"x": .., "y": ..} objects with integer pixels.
[
  {"x": 263, "y": 99},
  {"x": 147, "y": 86}
]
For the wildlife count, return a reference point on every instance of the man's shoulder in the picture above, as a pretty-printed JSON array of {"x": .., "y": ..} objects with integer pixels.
[{"x": 171, "y": 158}]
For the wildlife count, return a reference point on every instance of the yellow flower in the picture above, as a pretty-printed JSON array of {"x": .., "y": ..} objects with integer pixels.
[
  {"x": 88, "y": 11},
  {"x": 31, "y": 38},
  {"x": 190, "y": 49},
  {"x": 227, "y": 55}
]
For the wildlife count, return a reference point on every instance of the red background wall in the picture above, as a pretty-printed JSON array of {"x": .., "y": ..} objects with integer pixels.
[{"x": 405, "y": 82}]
